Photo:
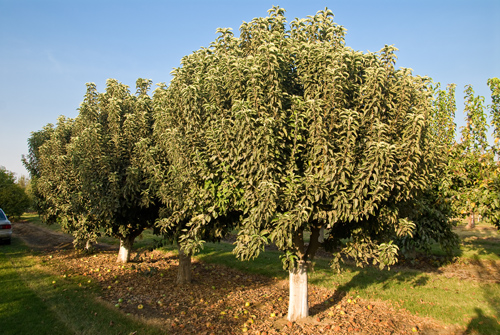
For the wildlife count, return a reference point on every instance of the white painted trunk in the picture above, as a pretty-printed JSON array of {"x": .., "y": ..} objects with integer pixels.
[
  {"x": 88, "y": 245},
  {"x": 298, "y": 306},
  {"x": 184, "y": 272},
  {"x": 125, "y": 249}
]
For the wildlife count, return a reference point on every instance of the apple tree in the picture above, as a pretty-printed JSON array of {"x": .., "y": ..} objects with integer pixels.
[
  {"x": 59, "y": 188},
  {"x": 197, "y": 206},
  {"x": 106, "y": 154},
  {"x": 304, "y": 137}
]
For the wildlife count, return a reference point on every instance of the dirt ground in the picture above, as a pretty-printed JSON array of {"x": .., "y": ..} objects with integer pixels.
[{"x": 223, "y": 300}]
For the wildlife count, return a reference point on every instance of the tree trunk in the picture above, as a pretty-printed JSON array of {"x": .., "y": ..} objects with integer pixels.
[
  {"x": 298, "y": 306},
  {"x": 472, "y": 223},
  {"x": 125, "y": 249},
  {"x": 184, "y": 272},
  {"x": 88, "y": 245}
]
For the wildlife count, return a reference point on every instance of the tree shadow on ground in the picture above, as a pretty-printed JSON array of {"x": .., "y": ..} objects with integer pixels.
[
  {"x": 365, "y": 278},
  {"x": 486, "y": 324},
  {"x": 482, "y": 324}
]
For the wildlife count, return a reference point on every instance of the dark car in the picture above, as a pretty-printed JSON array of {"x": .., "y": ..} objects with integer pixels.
[{"x": 5, "y": 228}]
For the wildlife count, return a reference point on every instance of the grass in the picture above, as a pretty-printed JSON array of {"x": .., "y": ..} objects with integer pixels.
[
  {"x": 468, "y": 303},
  {"x": 37, "y": 301}
]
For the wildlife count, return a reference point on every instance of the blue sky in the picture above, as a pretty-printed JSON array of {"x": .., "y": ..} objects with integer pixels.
[{"x": 49, "y": 49}]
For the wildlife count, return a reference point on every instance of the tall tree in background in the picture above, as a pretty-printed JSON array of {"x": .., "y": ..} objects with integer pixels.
[
  {"x": 494, "y": 84},
  {"x": 472, "y": 158},
  {"x": 432, "y": 210},
  {"x": 302, "y": 134},
  {"x": 491, "y": 196},
  {"x": 106, "y": 156}
]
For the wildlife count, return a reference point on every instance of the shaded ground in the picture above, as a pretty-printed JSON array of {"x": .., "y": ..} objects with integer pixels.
[
  {"x": 39, "y": 238},
  {"x": 220, "y": 300}
]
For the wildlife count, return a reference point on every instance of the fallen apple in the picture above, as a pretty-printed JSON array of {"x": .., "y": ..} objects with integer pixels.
[
  {"x": 247, "y": 304},
  {"x": 140, "y": 306}
]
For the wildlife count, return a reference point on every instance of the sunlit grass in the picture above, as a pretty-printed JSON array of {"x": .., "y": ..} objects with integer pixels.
[{"x": 35, "y": 300}]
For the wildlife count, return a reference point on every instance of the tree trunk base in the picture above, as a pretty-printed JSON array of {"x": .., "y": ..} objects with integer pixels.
[
  {"x": 184, "y": 272},
  {"x": 125, "y": 249},
  {"x": 298, "y": 306}
]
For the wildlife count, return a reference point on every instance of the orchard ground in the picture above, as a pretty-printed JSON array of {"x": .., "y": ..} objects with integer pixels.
[{"x": 224, "y": 300}]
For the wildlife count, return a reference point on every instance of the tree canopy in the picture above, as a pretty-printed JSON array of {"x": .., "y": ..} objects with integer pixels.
[{"x": 300, "y": 133}]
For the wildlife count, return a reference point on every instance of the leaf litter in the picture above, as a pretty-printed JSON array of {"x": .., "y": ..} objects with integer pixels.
[{"x": 222, "y": 300}]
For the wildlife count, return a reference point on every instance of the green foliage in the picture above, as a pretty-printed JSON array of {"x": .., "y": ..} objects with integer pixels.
[
  {"x": 472, "y": 167},
  {"x": 431, "y": 210},
  {"x": 32, "y": 164},
  {"x": 109, "y": 135},
  {"x": 13, "y": 199},
  {"x": 298, "y": 132},
  {"x": 59, "y": 186},
  {"x": 90, "y": 176},
  {"x": 474, "y": 134},
  {"x": 494, "y": 84},
  {"x": 443, "y": 115}
]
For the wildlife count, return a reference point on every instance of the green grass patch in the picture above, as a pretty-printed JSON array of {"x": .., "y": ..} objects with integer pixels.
[{"x": 38, "y": 301}]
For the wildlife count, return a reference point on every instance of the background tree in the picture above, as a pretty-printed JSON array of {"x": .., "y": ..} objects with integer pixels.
[
  {"x": 13, "y": 199},
  {"x": 494, "y": 84},
  {"x": 491, "y": 184},
  {"x": 432, "y": 210},
  {"x": 106, "y": 156},
  {"x": 194, "y": 209},
  {"x": 472, "y": 160},
  {"x": 60, "y": 187},
  {"x": 302, "y": 134},
  {"x": 32, "y": 164}
]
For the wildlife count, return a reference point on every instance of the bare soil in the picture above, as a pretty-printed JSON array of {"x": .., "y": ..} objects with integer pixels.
[{"x": 220, "y": 300}]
